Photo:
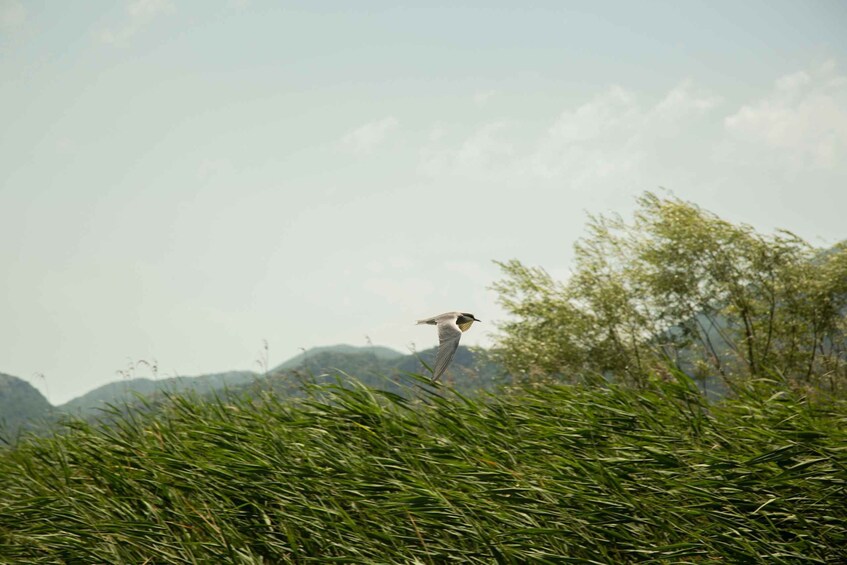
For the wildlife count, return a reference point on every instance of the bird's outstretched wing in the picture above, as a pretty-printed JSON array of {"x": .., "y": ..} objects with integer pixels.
[{"x": 448, "y": 338}]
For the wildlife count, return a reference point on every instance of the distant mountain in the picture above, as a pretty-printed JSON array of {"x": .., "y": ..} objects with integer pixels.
[
  {"x": 471, "y": 369},
  {"x": 375, "y": 366},
  {"x": 378, "y": 352},
  {"x": 127, "y": 391},
  {"x": 21, "y": 406}
]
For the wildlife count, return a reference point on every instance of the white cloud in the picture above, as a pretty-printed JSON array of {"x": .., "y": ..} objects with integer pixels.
[
  {"x": 148, "y": 9},
  {"x": 607, "y": 136},
  {"x": 792, "y": 82},
  {"x": 591, "y": 139},
  {"x": 612, "y": 134},
  {"x": 803, "y": 119},
  {"x": 140, "y": 13},
  {"x": 681, "y": 103},
  {"x": 480, "y": 98},
  {"x": 12, "y": 15},
  {"x": 617, "y": 115},
  {"x": 484, "y": 153},
  {"x": 612, "y": 111},
  {"x": 366, "y": 138},
  {"x": 485, "y": 148}
]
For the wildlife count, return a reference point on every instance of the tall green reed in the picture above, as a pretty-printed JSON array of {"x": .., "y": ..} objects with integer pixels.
[{"x": 554, "y": 473}]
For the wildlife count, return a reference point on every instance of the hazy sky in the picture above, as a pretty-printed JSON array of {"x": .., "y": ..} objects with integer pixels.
[{"x": 180, "y": 180}]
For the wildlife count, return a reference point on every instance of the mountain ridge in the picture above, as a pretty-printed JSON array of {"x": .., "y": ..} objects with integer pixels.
[
  {"x": 378, "y": 351},
  {"x": 21, "y": 405}
]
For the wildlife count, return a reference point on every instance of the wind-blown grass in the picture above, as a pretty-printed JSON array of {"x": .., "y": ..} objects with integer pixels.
[{"x": 548, "y": 474}]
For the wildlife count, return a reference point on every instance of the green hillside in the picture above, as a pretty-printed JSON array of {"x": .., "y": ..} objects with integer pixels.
[
  {"x": 545, "y": 474},
  {"x": 21, "y": 406},
  {"x": 375, "y": 352},
  {"x": 471, "y": 369},
  {"x": 127, "y": 391},
  {"x": 472, "y": 372}
]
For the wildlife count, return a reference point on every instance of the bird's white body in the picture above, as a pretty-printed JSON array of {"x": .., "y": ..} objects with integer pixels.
[{"x": 450, "y": 327}]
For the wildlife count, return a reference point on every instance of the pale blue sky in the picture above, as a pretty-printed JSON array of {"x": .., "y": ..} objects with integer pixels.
[{"x": 181, "y": 180}]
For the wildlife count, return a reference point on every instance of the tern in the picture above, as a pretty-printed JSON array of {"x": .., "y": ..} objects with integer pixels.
[{"x": 450, "y": 327}]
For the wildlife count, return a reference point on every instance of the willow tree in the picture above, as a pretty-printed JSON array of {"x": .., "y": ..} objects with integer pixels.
[{"x": 679, "y": 285}]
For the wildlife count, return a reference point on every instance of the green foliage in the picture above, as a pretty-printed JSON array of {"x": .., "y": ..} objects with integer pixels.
[
  {"x": 535, "y": 474},
  {"x": 680, "y": 284}
]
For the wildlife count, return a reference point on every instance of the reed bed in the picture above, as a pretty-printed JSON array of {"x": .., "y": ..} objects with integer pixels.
[{"x": 543, "y": 474}]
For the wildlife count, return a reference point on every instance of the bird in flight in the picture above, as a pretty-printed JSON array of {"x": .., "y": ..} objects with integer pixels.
[{"x": 450, "y": 327}]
